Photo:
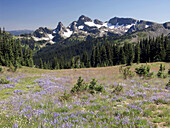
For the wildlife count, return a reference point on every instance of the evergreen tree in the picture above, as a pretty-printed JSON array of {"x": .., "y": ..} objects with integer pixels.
[
  {"x": 11, "y": 52},
  {"x": 103, "y": 56},
  {"x": 41, "y": 64},
  {"x": 109, "y": 52},
  {"x": 85, "y": 59},
  {"x": 137, "y": 53},
  {"x": 130, "y": 55},
  {"x": 72, "y": 63},
  {"x": 116, "y": 55},
  {"x": 45, "y": 65},
  {"x": 93, "y": 57},
  {"x": 168, "y": 51},
  {"x": 55, "y": 63},
  {"x": 97, "y": 57},
  {"x": 122, "y": 56}
]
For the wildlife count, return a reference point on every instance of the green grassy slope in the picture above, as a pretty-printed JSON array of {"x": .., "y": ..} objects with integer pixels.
[{"x": 36, "y": 98}]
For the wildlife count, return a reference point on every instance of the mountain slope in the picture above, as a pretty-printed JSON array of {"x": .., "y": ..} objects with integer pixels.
[{"x": 85, "y": 28}]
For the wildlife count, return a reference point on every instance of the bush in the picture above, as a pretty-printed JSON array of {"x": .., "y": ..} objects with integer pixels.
[
  {"x": 92, "y": 88},
  {"x": 93, "y": 84},
  {"x": 80, "y": 86},
  {"x": 144, "y": 71},
  {"x": 4, "y": 81},
  {"x": 168, "y": 71},
  {"x": 161, "y": 73},
  {"x": 12, "y": 68},
  {"x": 99, "y": 88},
  {"x": 162, "y": 68},
  {"x": 66, "y": 96},
  {"x": 95, "y": 87},
  {"x": 126, "y": 72},
  {"x": 118, "y": 89},
  {"x": 151, "y": 75}
]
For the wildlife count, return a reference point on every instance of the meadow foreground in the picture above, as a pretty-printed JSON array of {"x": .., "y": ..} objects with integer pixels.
[{"x": 42, "y": 98}]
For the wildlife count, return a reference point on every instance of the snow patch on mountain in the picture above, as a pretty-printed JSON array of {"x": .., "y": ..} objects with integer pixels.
[
  {"x": 52, "y": 42},
  {"x": 40, "y": 39},
  {"x": 123, "y": 27},
  {"x": 146, "y": 26},
  {"x": 80, "y": 27},
  {"x": 85, "y": 27},
  {"x": 68, "y": 33},
  {"x": 50, "y": 36},
  {"x": 129, "y": 26},
  {"x": 92, "y": 24}
]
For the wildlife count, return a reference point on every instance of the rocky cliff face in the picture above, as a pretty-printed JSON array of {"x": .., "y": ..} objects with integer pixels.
[
  {"x": 85, "y": 27},
  {"x": 167, "y": 25}
]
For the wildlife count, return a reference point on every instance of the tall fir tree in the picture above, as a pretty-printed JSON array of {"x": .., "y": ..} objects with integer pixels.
[
  {"x": 104, "y": 60},
  {"x": 130, "y": 56},
  {"x": 41, "y": 64},
  {"x": 93, "y": 57},
  {"x": 122, "y": 56},
  {"x": 85, "y": 59},
  {"x": 137, "y": 53}
]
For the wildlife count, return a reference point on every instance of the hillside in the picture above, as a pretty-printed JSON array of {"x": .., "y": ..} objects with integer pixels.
[
  {"x": 106, "y": 51},
  {"x": 86, "y": 28},
  {"x": 37, "y": 97}
]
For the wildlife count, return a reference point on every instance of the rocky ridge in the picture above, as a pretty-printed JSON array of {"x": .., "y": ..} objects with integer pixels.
[{"x": 86, "y": 28}]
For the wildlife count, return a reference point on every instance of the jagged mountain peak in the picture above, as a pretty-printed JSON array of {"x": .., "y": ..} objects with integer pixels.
[
  {"x": 85, "y": 27},
  {"x": 167, "y": 25},
  {"x": 60, "y": 27},
  {"x": 96, "y": 21},
  {"x": 73, "y": 26},
  {"x": 82, "y": 19},
  {"x": 42, "y": 32},
  {"x": 122, "y": 21}
]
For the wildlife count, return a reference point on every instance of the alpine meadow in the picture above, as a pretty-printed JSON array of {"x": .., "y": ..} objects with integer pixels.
[{"x": 87, "y": 73}]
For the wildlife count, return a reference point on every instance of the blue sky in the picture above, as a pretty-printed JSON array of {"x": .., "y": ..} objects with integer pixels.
[{"x": 31, "y": 14}]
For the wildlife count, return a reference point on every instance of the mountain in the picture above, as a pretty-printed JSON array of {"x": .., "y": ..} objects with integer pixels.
[
  {"x": 43, "y": 34},
  {"x": 19, "y": 32},
  {"x": 85, "y": 28}
]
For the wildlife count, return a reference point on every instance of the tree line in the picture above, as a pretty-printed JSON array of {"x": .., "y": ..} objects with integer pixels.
[
  {"x": 12, "y": 53},
  {"x": 107, "y": 54}
]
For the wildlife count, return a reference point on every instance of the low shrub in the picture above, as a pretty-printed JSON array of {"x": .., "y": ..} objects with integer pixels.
[
  {"x": 4, "y": 81},
  {"x": 99, "y": 88},
  {"x": 66, "y": 96},
  {"x": 118, "y": 89},
  {"x": 143, "y": 70},
  {"x": 80, "y": 86},
  {"x": 92, "y": 88},
  {"x": 161, "y": 73},
  {"x": 126, "y": 72},
  {"x": 12, "y": 68}
]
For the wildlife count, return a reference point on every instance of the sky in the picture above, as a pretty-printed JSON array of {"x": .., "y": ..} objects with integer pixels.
[{"x": 32, "y": 14}]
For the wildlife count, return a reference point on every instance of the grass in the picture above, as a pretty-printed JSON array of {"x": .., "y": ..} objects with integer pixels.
[{"x": 42, "y": 98}]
